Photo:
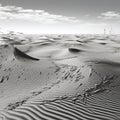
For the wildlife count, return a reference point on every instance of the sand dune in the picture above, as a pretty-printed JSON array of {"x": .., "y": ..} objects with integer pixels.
[
  {"x": 18, "y": 53},
  {"x": 60, "y": 77}
]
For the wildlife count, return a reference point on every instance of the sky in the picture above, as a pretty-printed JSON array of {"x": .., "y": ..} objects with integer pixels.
[{"x": 60, "y": 16}]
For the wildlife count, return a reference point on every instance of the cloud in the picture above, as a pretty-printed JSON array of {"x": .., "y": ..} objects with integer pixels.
[
  {"x": 110, "y": 15},
  {"x": 19, "y": 13},
  {"x": 39, "y": 21}
]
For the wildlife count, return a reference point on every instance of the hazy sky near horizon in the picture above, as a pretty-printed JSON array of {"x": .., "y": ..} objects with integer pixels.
[{"x": 60, "y": 16}]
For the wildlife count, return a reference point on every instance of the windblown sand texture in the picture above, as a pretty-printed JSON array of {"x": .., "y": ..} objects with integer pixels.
[{"x": 59, "y": 77}]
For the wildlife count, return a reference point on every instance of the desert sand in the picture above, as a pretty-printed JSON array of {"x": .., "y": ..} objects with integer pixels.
[{"x": 45, "y": 69}]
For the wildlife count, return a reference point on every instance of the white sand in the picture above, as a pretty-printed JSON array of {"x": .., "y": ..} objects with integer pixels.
[{"x": 59, "y": 72}]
